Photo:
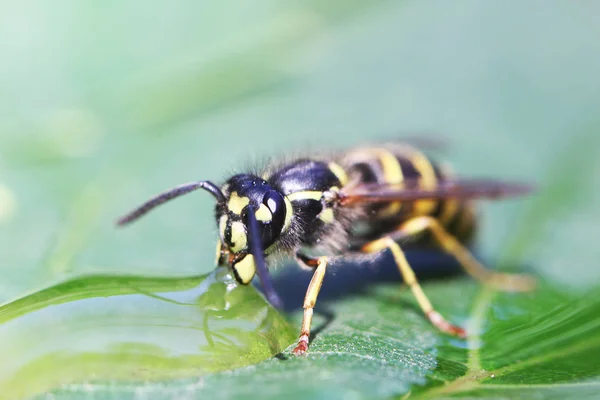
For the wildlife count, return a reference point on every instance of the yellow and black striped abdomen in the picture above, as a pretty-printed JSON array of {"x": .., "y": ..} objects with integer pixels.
[{"x": 407, "y": 167}]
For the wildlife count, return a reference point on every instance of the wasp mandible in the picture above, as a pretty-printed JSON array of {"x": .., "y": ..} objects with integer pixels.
[{"x": 365, "y": 200}]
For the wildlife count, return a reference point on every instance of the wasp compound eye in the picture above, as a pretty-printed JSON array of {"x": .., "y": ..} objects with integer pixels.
[
  {"x": 273, "y": 217},
  {"x": 276, "y": 204}
]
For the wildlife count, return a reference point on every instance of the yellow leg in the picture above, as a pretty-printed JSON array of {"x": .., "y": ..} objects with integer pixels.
[
  {"x": 309, "y": 303},
  {"x": 507, "y": 282},
  {"x": 410, "y": 279}
]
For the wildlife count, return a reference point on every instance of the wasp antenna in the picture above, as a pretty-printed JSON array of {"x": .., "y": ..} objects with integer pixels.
[
  {"x": 259, "y": 260},
  {"x": 169, "y": 195}
]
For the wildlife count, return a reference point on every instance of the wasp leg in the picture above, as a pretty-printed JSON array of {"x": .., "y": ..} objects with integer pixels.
[
  {"x": 310, "y": 299},
  {"x": 502, "y": 281},
  {"x": 410, "y": 279}
]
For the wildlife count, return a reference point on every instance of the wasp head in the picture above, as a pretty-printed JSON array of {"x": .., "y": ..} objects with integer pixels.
[
  {"x": 248, "y": 194},
  {"x": 251, "y": 216}
]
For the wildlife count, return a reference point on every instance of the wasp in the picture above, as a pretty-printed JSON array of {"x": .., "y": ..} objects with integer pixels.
[{"x": 365, "y": 200}]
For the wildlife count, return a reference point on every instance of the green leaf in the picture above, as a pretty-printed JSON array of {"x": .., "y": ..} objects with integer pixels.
[
  {"x": 126, "y": 328},
  {"x": 105, "y": 105}
]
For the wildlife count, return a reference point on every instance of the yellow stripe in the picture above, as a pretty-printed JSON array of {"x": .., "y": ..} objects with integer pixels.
[
  {"x": 236, "y": 203},
  {"x": 390, "y": 167},
  {"x": 289, "y": 212},
  {"x": 428, "y": 179},
  {"x": 305, "y": 195},
  {"x": 391, "y": 171},
  {"x": 327, "y": 215},
  {"x": 392, "y": 174},
  {"x": 451, "y": 206},
  {"x": 339, "y": 172}
]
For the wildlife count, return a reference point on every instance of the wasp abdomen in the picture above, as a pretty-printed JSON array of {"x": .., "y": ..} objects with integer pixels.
[{"x": 408, "y": 168}]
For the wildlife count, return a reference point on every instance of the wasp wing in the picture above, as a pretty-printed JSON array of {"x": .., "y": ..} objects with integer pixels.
[{"x": 410, "y": 190}]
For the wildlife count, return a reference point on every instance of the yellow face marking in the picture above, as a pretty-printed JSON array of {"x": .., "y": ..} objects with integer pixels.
[
  {"x": 327, "y": 215},
  {"x": 239, "y": 238},
  {"x": 263, "y": 213},
  {"x": 245, "y": 269},
  {"x": 222, "y": 226},
  {"x": 236, "y": 203},
  {"x": 339, "y": 172},
  {"x": 289, "y": 211},
  {"x": 305, "y": 195},
  {"x": 218, "y": 252}
]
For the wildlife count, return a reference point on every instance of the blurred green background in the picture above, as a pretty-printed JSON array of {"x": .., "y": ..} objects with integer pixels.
[{"x": 104, "y": 104}]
